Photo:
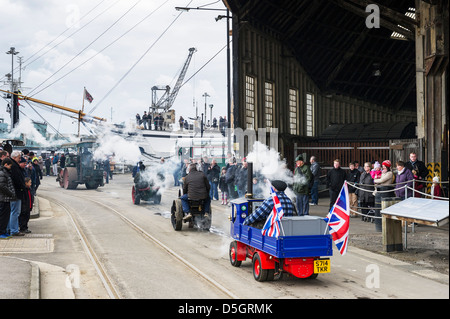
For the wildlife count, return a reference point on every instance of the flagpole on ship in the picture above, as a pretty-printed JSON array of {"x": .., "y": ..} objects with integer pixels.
[{"x": 82, "y": 110}]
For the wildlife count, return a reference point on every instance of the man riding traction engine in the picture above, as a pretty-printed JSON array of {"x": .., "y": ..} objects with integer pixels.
[
  {"x": 194, "y": 206},
  {"x": 143, "y": 189}
]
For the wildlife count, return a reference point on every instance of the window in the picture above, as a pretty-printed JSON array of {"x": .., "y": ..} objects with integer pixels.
[
  {"x": 268, "y": 101},
  {"x": 250, "y": 102},
  {"x": 309, "y": 114},
  {"x": 293, "y": 105}
]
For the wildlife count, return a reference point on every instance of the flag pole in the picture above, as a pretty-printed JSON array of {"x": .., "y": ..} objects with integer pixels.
[
  {"x": 82, "y": 110},
  {"x": 328, "y": 223}
]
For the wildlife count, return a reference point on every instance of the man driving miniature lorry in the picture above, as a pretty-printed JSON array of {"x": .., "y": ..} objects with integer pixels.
[
  {"x": 259, "y": 216},
  {"x": 196, "y": 187}
]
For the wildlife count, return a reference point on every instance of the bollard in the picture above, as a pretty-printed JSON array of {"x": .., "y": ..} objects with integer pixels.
[{"x": 392, "y": 229}]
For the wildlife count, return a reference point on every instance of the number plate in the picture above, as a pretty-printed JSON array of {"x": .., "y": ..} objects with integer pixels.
[{"x": 321, "y": 266}]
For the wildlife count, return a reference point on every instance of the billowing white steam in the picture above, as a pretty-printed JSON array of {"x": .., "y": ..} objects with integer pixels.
[
  {"x": 124, "y": 151},
  {"x": 25, "y": 129},
  {"x": 268, "y": 164}
]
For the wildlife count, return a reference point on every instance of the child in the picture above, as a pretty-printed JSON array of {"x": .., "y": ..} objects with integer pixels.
[
  {"x": 436, "y": 190},
  {"x": 376, "y": 171},
  {"x": 223, "y": 186},
  {"x": 27, "y": 206}
]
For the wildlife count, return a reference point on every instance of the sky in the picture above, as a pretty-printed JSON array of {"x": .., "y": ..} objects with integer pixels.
[{"x": 68, "y": 45}]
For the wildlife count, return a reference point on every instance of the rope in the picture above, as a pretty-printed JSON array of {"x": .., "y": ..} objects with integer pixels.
[
  {"x": 421, "y": 181},
  {"x": 406, "y": 187},
  {"x": 427, "y": 195},
  {"x": 391, "y": 190},
  {"x": 361, "y": 214}
]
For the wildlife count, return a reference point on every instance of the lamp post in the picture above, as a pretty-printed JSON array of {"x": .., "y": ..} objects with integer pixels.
[
  {"x": 205, "y": 95},
  {"x": 14, "y": 116},
  {"x": 210, "y": 114}
]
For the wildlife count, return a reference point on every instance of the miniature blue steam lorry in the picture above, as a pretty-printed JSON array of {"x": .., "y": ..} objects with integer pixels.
[{"x": 300, "y": 250}]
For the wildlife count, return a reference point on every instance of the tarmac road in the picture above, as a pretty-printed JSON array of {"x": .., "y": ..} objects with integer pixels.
[{"x": 140, "y": 269}]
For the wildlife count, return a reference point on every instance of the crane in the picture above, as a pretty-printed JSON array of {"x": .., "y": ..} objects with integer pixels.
[{"x": 167, "y": 99}]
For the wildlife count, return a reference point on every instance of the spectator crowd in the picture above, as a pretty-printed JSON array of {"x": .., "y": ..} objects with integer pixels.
[
  {"x": 148, "y": 119},
  {"x": 20, "y": 175},
  {"x": 366, "y": 184}
]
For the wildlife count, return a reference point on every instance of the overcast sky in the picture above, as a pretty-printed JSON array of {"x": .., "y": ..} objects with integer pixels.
[{"x": 90, "y": 26}]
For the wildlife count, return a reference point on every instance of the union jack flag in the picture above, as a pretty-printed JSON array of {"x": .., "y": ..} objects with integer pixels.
[
  {"x": 87, "y": 96},
  {"x": 338, "y": 220},
  {"x": 272, "y": 226}
]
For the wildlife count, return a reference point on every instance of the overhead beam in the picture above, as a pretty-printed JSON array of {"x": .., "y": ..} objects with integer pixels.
[
  {"x": 310, "y": 11},
  {"x": 347, "y": 56}
]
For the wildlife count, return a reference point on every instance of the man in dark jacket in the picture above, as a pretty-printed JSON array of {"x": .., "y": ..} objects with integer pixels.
[
  {"x": 335, "y": 179},
  {"x": 213, "y": 177},
  {"x": 18, "y": 178},
  {"x": 195, "y": 187},
  {"x": 230, "y": 178},
  {"x": 416, "y": 165},
  {"x": 353, "y": 176}
]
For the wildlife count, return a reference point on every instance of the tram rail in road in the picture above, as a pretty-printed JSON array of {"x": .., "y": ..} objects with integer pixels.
[{"x": 112, "y": 291}]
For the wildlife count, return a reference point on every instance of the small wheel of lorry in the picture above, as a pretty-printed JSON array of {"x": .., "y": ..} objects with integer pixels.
[
  {"x": 233, "y": 253},
  {"x": 157, "y": 199},
  {"x": 207, "y": 221},
  {"x": 176, "y": 215},
  {"x": 91, "y": 185},
  {"x": 258, "y": 273}
]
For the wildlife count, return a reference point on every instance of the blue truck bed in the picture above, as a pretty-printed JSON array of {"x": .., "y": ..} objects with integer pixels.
[{"x": 314, "y": 242}]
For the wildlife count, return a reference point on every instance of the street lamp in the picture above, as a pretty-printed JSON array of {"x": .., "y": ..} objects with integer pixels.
[
  {"x": 210, "y": 114},
  {"x": 14, "y": 116},
  {"x": 205, "y": 95}
]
